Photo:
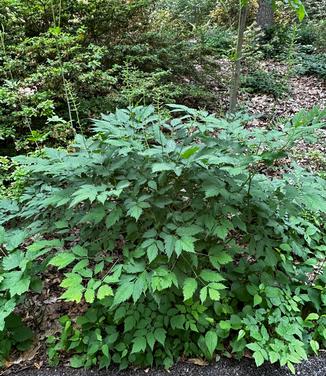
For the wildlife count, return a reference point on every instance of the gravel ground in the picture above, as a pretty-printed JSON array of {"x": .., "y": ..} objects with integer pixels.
[{"x": 313, "y": 367}]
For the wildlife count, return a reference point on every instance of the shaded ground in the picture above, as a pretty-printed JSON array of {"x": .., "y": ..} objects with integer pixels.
[
  {"x": 225, "y": 367},
  {"x": 305, "y": 92}
]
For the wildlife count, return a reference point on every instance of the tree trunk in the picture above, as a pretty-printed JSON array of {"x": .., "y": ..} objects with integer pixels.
[
  {"x": 235, "y": 82},
  {"x": 265, "y": 15}
]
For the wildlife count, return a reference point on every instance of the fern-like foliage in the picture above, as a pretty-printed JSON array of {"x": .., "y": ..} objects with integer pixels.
[{"x": 187, "y": 235}]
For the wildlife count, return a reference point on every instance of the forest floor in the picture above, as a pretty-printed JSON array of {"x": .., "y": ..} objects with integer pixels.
[{"x": 305, "y": 92}]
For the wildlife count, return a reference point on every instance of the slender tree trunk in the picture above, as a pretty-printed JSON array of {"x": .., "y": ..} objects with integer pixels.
[
  {"x": 265, "y": 15},
  {"x": 235, "y": 82}
]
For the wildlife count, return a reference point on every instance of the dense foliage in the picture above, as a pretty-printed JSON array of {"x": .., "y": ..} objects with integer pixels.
[
  {"x": 96, "y": 55},
  {"x": 62, "y": 63},
  {"x": 261, "y": 81},
  {"x": 182, "y": 236}
]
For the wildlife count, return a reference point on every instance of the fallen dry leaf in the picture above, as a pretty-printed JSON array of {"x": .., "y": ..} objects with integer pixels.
[
  {"x": 198, "y": 362},
  {"x": 27, "y": 356}
]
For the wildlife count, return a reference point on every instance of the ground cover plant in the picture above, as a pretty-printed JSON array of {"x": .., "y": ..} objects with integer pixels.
[{"x": 181, "y": 235}]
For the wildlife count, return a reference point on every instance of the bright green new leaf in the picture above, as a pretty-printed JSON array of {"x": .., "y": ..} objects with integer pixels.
[
  {"x": 73, "y": 294},
  {"x": 257, "y": 300},
  {"x": 214, "y": 294},
  {"x": 312, "y": 317},
  {"x": 189, "y": 288},
  {"x": 89, "y": 295},
  {"x": 104, "y": 291},
  {"x": 203, "y": 294},
  {"x": 62, "y": 260},
  {"x": 259, "y": 359},
  {"x": 314, "y": 346},
  {"x": 211, "y": 342},
  {"x": 71, "y": 280},
  {"x": 189, "y": 152}
]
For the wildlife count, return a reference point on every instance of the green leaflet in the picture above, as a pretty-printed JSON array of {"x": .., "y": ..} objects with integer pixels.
[
  {"x": 211, "y": 342},
  {"x": 189, "y": 288},
  {"x": 62, "y": 260},
  {"x": 104, "y": 291},
  {"x": 73, "y": 293},
  {"x": 123, "y": 293},
  {"x": 158, "y": 167}
]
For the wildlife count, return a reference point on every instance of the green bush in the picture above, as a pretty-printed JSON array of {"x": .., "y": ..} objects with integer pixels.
[
  {"x": 260, "y": 81},
  {"x": 226, "y": 13},
  {"x": 179, "y": 234},
  {"x": 310, "y": 64},
  {"x": 11, "y": 179},
  {"x": 277, "y": 40},
  {"x": 218, "y": 39},
  {"x": 313, "y": 33},
  {"x": 316, "y": 9},
  {"x": 195, "y": 12}
]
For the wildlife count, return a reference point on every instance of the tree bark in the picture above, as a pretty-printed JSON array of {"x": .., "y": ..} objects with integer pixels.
[
  {"x": 235, "y": 82},
  {"x": 265, "y": 15}
]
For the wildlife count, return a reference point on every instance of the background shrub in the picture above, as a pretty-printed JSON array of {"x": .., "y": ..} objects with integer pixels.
[
  {"x": 79, "y": 53},
  {"x": 260, "y": 81}
]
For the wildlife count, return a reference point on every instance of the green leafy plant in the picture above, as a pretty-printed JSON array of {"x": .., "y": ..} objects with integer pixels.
[
  {"x": 260, "y": 81},
  {"x": 181, "y": 237},
  {"x": 308, "y": 64},
  {"x": 17, "y": 336}
]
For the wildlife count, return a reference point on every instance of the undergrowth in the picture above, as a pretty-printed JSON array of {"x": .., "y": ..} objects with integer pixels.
[{"x": 181, "y": 235}]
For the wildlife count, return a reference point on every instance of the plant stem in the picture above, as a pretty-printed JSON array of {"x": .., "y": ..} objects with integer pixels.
[{"x": 235, "y": 82}]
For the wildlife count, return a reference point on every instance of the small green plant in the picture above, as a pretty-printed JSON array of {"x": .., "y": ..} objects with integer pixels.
[
  {"x": 260, "y": 81},
  {"x": 194, "y": 12},
  {"x": 178, "y": 236},
  {"x": 311, "y": 64},
  {"x": 11, "y": 179},
  {"x": 16, "y": 336},
  {"x": 217, "y": 39},
  {"x": 312, "y": 33}
]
